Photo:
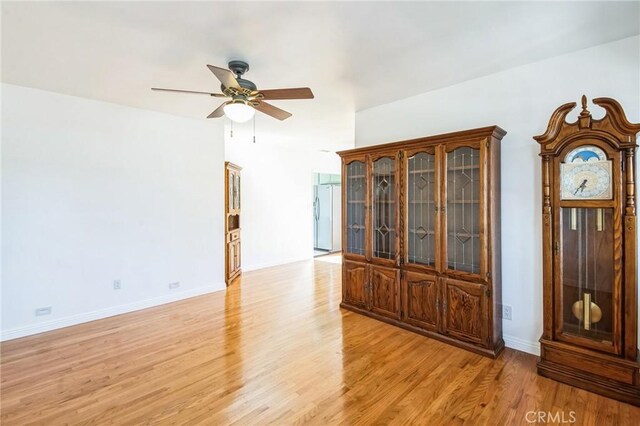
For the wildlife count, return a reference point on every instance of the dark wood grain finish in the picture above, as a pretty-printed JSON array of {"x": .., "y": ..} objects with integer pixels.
[
  {"x": 465, "y": 311},
  {"x": 384, "y": 288},
  {"x": 606, "y": 363},
  {"x": 436, "y": 299},
  {"x": 421, "y": 297},
  {"x": 494, "y": 240},
  {"x": 355, "y": 283}
]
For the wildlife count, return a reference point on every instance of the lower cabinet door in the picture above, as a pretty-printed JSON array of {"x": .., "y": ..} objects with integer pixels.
[
  {"x": 421, "y": 299},
  {"x": 465, "y": 310},
  {"x": 238, "y": 264},
  {"x": 385, "y": 291},
  {"x": 231, "y": 258},
  {"x": 354, "y": 282}
]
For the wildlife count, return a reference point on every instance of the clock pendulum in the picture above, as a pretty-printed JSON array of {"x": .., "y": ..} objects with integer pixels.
[{"x": 585, "y": 308}]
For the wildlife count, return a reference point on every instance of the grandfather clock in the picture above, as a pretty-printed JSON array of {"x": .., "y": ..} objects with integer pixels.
[{"x": 589, "y": 252}]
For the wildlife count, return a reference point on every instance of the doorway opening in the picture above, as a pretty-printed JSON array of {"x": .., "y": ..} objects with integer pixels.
[{"x": 327, "y": 208}]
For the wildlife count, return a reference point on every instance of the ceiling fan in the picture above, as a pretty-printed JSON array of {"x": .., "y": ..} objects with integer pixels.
[{"x": 245, "y": 96}]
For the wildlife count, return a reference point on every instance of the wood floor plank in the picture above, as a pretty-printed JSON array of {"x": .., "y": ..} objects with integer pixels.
[{"x": 274, "y": 348}]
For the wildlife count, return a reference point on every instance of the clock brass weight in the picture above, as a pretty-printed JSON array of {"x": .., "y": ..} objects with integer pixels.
[{"x": 590, "y": 296}]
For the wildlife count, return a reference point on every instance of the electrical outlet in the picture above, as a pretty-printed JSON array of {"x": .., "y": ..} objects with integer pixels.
[
  {"x": 174, "y": 285},
  {"x": 117, "y": 284},
  {"x": 43, "y": 311},
  {"x": 506, "y": 312}
]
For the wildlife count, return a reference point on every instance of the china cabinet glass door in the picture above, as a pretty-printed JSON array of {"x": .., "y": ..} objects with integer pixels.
[
  {"x": 421, "y": 209},
  {"x": 355, "y": 206},
  {"x": 232, "y": 191},
  {"x": 384, "y": 208},
  {"x": 236, "y": 184},
  {"x": 463, "y": 210}
]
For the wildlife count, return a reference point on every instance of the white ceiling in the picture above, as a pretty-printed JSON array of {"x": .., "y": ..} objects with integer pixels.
[{"x": 353, "y": 55}]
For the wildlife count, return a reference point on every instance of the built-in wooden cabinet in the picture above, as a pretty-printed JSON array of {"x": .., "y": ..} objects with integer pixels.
[
  {"x": 233, "y": 264},
  {"x": 421, "y": 233}
]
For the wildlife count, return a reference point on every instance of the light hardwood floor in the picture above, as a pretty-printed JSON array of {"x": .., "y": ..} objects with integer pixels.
[{"x": 275, "y": 348}]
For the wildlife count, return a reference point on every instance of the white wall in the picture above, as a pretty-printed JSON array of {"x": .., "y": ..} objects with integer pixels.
[
  {"x": 277, "y": 200},
  {"x": 521, "y": 101},
  {"x": 93, "y": 192}
]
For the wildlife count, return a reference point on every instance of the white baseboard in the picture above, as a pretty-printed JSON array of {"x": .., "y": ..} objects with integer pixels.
[
  {"x": 275, "y": 263},
  {"x": 522, "y": 345},
  {"x": 28, "y": 330}
]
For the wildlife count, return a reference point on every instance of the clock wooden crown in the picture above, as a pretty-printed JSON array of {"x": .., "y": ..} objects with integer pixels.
[
  {"x": 590, "y": 294},
  {"x": 614, "y": 128}
]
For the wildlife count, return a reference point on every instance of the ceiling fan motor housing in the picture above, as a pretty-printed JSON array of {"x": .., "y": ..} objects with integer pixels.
[{"x": 239, "y": 68}]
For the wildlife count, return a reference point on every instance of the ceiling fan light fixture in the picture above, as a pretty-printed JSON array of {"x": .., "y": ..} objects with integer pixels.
[{"x": 239, "y": 111}]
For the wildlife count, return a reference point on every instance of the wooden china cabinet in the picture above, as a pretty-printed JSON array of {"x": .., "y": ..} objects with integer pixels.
[
  {"x": 589, "y": 245},
  {"x": 421, "y": 236},
  {"x": 232, "y": 252}
]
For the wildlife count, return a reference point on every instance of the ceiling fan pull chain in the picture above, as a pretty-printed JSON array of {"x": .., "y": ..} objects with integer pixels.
[
  {"x": 254, "y": 129},
  {"x": 231, "y": 128}
]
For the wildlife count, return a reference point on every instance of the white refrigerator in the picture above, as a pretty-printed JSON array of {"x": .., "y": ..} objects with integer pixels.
[{"x": 326, "y": 217}]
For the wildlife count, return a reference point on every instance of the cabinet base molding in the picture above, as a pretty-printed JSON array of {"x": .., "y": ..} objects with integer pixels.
[
  {"x": 602, "y": 374},
  {"x": 491, "y": 353}
]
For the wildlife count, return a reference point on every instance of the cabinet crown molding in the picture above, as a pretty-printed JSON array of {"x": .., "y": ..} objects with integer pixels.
[{"x": 480, "y": 133}]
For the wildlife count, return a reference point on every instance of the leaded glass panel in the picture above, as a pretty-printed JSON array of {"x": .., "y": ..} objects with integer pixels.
[
  {"x": 355, "y": 207},
  {"x": 383, "y": 186},
  {"x": 421, "y": 190},
  {"x": 463, "y": 210}
]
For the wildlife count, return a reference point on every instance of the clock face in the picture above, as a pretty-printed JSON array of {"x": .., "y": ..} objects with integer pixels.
[{"x": 586, "y": 175}]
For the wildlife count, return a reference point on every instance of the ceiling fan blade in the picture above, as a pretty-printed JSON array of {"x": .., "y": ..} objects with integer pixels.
[
  {"x": 218, "y": 112},
  {"x": 217, "y": 95},
  {"x": 225, "y": 76},
  {"x": 274, "y": 112},
  {"x": 294, "y": 93}
]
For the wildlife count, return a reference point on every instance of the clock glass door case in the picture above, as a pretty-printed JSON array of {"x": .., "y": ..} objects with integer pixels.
[{"x": 587, "y": 263}]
